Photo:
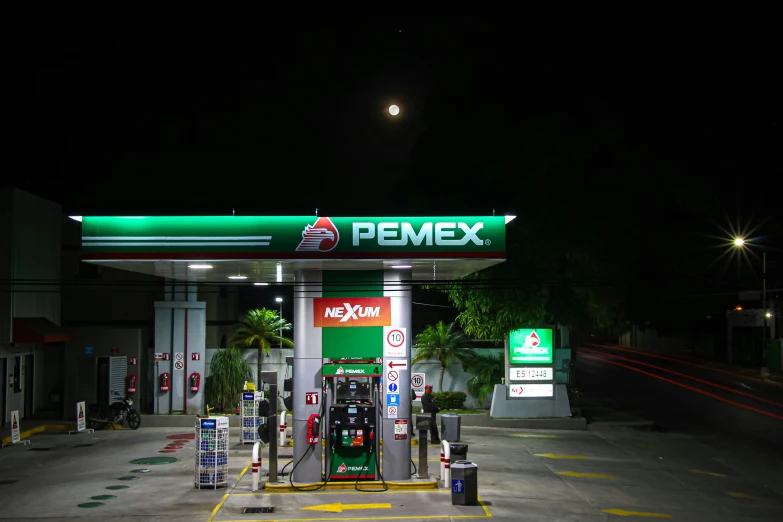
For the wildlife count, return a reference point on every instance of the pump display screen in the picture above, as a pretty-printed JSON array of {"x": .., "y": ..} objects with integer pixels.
[
  {"x": 352, "y": 391},
  {"x": 352, "y": 409}
]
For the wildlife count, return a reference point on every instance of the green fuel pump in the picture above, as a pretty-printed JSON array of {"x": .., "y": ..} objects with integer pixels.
[{"x": 354, "y": 441}]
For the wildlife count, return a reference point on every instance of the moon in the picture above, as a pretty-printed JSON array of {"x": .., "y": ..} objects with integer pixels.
[{"x": 394, "y": 110}]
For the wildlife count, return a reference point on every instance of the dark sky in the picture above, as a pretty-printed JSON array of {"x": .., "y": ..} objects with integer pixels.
[{"x": 676, "y": 128}]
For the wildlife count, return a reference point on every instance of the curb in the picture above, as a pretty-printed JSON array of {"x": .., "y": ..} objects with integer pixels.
[
  {"x": 53, "y": 427},
  {"x": 404, "y": 486}
]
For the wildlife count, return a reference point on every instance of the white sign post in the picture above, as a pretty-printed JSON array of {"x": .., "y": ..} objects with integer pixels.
[
  {"x": 395, "y": 342},
  {"x": 16, "y": 437},
  {"x": 179, "y": 361},
  {"x": 417, "y": 383},
  {"x": 15, "y": 427},
  {"x": 81, "y": 419}
]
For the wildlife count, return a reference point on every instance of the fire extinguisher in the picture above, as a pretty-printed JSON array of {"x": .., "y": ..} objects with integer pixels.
[
  {"x": 195, "y": 379},
  {"x": 165, "y": 379},
  {"x": 130, "y": 382}
]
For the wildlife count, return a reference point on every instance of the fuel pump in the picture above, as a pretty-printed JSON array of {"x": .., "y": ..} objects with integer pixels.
[{"x": 353, "y": 421}]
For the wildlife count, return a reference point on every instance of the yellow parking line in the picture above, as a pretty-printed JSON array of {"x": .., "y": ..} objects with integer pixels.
[
  {"x": 532, "y": 436},
  {"x": 217, "y": 508},
  {"x": 736, "y": 494},
  {"x": 553, "y": 456},
  {"x": 700, "y": 472},
  {"x": 623, "y": 513},
  {"x": 584, "y": 475}
]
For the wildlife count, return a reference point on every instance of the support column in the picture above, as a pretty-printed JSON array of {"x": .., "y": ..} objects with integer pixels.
[
  {"x": 180, "y": 328},
  {"x": 308, "y": 364},
  {"x": 397, "y": 453}
]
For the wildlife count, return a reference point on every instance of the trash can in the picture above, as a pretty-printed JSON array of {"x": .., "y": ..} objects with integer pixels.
[
  {"x": 458, "y": 452},
  {"x": 464, "y": 483},
  {"x": 449, "y": 427}
]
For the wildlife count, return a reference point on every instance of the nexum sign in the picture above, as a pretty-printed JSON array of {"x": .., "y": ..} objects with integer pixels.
[{"x": 390, "y": 233}]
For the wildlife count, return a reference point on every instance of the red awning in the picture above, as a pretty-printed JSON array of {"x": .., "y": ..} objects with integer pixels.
[{"x": 38, "y": 330}]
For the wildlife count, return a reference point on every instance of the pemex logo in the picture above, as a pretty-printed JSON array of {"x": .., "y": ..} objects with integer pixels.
[
  {"x": 343, "y": 468},
  {"x": 532, "y": 340},
  {"x": 321, "y": 236}
]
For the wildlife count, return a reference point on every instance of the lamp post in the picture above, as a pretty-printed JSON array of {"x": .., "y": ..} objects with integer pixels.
[
  {"x": 280, "y": 302},
  {"x": 740, "y": 243}
]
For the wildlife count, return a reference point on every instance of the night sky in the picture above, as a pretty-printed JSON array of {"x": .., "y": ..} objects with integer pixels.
[{"x": 667, "y": 134}]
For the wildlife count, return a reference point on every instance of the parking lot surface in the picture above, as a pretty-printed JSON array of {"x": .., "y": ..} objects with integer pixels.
[{"x": 522, "y": 474}]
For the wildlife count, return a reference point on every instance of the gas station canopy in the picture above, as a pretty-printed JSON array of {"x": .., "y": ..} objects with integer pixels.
[{"x": 268, "y": 249}]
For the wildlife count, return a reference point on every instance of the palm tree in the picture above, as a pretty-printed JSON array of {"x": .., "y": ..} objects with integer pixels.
[
  {"x": 487, "y": 371},
  {"x": 441, "y": 343},
  {"x": 261, "y": 328}
]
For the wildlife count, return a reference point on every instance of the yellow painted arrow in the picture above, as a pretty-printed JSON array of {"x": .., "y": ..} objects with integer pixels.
[
  {"x": 623, "y": 513},
  {"x": 586, "y": 475},
  {"x": 553, "y": 456},
  {"x": 700, "y": 472},
  {"x": 339, "y": 507}
]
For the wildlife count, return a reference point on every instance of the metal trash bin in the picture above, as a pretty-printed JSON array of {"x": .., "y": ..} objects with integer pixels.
[
  {"x": 450, "y": 427},
  {"x": 458, "y": 452},
  {"x": 464, "y": 483}
]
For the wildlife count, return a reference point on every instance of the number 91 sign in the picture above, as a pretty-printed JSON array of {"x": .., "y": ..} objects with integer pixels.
[{"x": 395, "y": 342}]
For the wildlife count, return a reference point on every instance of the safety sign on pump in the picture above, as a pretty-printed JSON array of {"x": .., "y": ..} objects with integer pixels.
[{"x": 392, "y": 399}]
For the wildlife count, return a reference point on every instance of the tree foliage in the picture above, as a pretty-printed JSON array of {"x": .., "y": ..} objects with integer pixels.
[
  {"x": 443, "y": 343},
  {"x": 228, "y": 372},
  {"x": 260, "y": 329},
  {"x": 487, "y": 371}
]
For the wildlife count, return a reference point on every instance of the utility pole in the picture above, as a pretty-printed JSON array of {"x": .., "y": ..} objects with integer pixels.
[{"x": 764, "y": 309}]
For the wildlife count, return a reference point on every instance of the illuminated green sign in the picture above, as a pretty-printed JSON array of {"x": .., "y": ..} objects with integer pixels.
[
  {"x": 530, "y": 346},
  {"x": 292, "y": 237},
  {"x": 352, "y": 370}
]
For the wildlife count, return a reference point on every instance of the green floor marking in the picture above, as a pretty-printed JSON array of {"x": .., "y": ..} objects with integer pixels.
[
  {"x": 117, "y": 487},
  {"x": 155, "y": 461},
  {"x": 104, "y": 497},
  {"x": 91, "y": 504}
]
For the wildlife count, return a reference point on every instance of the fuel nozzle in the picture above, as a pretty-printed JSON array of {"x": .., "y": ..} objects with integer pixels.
[{"x": 372, "y": 434}]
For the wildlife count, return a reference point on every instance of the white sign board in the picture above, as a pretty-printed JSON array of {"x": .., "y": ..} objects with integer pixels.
[
  {"x": 395, "y": 342},
  {"x": 392, "y": 412},
  {"x": 179, "y": 365},
  {"x": 15, "y": 426},
  {"x": 531, "y": 390},
  {"x": 531, "y": 374},
  {"x": 417, "y": 383},
  {"x": 80, "y": 417},
  {"x": 222, "y": 422},
  {"x": 179, "y": 356}
]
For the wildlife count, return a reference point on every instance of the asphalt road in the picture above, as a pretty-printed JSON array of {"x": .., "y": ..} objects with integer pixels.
[{"x": 685, "y": 396}]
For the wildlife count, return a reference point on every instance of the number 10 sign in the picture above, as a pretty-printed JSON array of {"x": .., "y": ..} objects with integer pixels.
[{"x": 395, "y": 342}]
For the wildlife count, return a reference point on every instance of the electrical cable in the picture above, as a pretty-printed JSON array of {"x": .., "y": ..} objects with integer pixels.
[
  {"x": 327, "y": 476},
  {"x": 415, "y": 469}
]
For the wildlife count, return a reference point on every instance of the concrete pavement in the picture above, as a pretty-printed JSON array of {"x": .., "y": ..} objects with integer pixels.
[{"x": 523, "y": 474}]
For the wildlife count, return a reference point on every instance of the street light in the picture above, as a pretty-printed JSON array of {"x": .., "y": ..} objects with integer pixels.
[{"x": 280, "y": 300}]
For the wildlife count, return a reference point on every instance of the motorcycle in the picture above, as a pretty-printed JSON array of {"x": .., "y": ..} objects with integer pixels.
[{"x": 117, "y": 413}]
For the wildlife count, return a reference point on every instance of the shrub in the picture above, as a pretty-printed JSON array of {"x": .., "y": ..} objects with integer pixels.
[{"x": 450, "y": 400}]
